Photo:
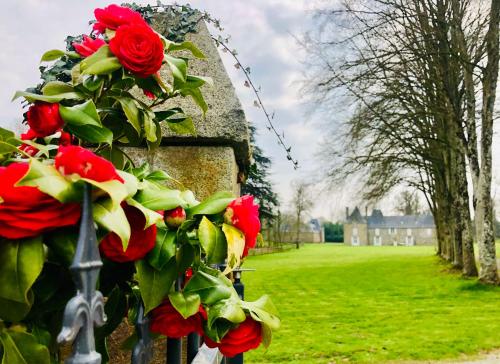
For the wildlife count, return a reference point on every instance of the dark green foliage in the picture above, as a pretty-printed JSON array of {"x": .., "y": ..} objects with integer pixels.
[
  {"x": 334, "y": 233},
  {"x": 258, "y": 184}
]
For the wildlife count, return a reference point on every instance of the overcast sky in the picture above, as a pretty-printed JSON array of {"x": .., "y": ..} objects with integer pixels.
[{"x": 262, "y": 31}]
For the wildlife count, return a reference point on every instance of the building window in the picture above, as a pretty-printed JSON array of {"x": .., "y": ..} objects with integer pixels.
[
  {"x": 377, "y": 232},
  {"x": 392, "y": 231},
  {"x": 377, "y": 240},
  {"x": 429, "y": 232},
  {"x": 408, "y": 232}
]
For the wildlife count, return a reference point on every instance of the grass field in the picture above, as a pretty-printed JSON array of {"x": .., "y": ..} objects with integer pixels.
[{"x": 371, "y": 304}]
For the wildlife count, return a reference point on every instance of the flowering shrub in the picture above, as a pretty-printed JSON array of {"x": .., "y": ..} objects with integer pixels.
[{"x": 149, "y": 233}]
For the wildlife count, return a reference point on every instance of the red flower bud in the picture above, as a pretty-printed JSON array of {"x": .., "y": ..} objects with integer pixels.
[
  {"x": 28, "y": 149},
  {"x": 43, "y": 119},
  {"x": 243, "y": 213},
  {"x": 174, "y": 218},
  {"x": 88, "y": 46},
  {"x": 167, "y": 321}
]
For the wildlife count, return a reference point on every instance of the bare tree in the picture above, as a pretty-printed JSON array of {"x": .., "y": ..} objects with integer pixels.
[
  {"x": 302, "y": 203},
  {"x": 408, "y": 203},
  {"x": 415, "y": 70}
]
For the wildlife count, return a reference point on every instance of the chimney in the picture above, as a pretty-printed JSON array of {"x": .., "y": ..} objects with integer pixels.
[{"x": 347, "y": 213}]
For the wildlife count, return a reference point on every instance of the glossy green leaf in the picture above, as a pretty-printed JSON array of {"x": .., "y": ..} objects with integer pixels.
[
  {"x": 178, "y": 66},
  {"x": 155, "y": 285},
  {"x": 112, "y": 218},
  {"x": 13, "y": 311},
  {"x": 149, "y": 125},
  {"x": 22, "y": 348},
  {"x": 186, "y": 45},
  {"x": 81, "y": 114},
  {"x": 212, "y": 241},
  {"x": 56, "y": 88},
  {"x": 48, "y": 180},
  {"x": 93, "y": 82},
  {"x": 228, "y": 309},
  {"x": 214, "y": 204},
  {"x": 52, "y": 55},
  {"x": 235, "y": 247},
  {"x": 174, "y": 112},
  {"x": 131, "y": 183},
  {"x": 129, "y": 107},
  {"x": 263, "y": 310},
  {"x": 182, "y": 126},
  {"x": 91, "y": 133},
  {"x": 267, "y": 335},
  {"x": 116, "y": 190},
  {"x": 164, "y": 249},
  {"x": 211, "y": 289},
  {"x": 160, "y": 199},
  {"x": 21, "y": 262},
  {"x": 151, "y": 216},
  {"x": 185, "y": 257},
  {"x": 101, "y": 62},
  {"x": 31, "y": 97},
  {"x": 186, "y": 304}
]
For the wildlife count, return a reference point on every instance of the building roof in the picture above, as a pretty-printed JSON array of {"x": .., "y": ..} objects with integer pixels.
[
  {"x": 378, "y": 220},
  {"x": 401, "y": 222}
]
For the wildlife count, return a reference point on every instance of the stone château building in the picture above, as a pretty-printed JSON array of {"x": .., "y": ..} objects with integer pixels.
[{"x": 379, "y": 230}]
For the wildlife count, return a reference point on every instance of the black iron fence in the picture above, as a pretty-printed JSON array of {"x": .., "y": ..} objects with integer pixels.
[{"x": 85, "y": 310}]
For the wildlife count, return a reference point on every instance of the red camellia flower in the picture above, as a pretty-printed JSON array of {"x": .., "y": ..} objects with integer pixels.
[
  {"x": 243, "y": 213},
  {"x": 247, "y": 336},
  {"x": 89, "y": 46},
  {"x": 166, "y": 320},
  {"x": 74, "y": 159},
  {"x": 175, "y": 217},
  {"x": 138, "y": 48},
  {"x": 140, "y": 243},
  {"x": 113, "y": 16},
  {"x": 43, "y": 119},
  {"x": 26, "y": 211}
]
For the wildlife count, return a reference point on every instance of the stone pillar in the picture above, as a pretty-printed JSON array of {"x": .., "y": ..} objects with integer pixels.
[{"x": 218, "y": 156}]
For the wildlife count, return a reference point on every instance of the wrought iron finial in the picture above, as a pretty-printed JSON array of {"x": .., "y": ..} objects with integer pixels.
[
  {"x": 143, "y": 350},
  {"x": 86, "y": 309}
]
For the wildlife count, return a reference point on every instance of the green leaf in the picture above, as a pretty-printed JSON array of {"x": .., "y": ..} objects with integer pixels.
[
  {"x": 186, "y": 304},
  {"x": 56, "y": 88},
  {"x": 267, "y": 335},
  {"x": 31, "y": 97},
  {"x": 52, "y": 55},
  {"x": 263, "y": 310},
  {"x": 22, "y": 348},
  {"x": 164, "y": 249},
  {"x": 149, "y": 125},
  {"x": 81, "y": 114},
  {"x": 129, "y": 107},
  {"x": 182, "y": 126},
  {"x": 101, "y": 62},
  {"x": 158, "y": 176},
  {"x": 213, "y": 204},
  {"x": 91, "y": 133},
  {"x": 21, "y": 262},
  {"x": 212, "y": 241},
  {"x": 178, "y": 66},
  {"x": 152, "y": 217},
  {"x": 197, "y": 97},
  {"x": 160, "y": 199},
  {"x": 168, "y": 114},
  {"x": 155, "y": 285},
  {"x": 93, "y": 82},
  {"x": 48, "y": 180},
  {"x": 228, "y": 309},
  {"x": 13, "y": 311},
  {"x": 211, "y": 289},
  {"x": 235, "y": 247},
  {"x": 112, "y": 218},
  {"x": 131, "y": 182},
  {"x": 195, "y": 51},
  {"x": 115, "y": 189},
  {"x": 184, "y": 257},
  {"x": 7, "y": 148}
]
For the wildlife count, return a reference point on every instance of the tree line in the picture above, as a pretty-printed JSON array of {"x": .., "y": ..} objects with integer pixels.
[{"x": 421, "y": 76}]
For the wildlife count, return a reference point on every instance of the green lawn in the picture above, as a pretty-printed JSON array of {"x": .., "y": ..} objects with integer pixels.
[{"x": 371, "y": 304}]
